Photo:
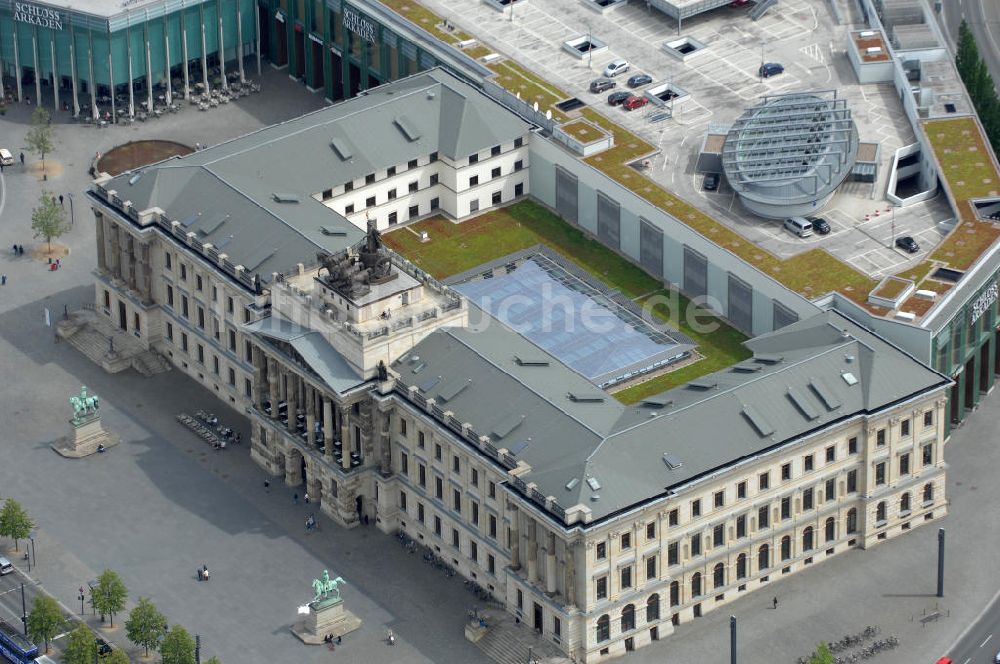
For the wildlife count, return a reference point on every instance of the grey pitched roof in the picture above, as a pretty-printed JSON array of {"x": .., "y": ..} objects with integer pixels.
[
  {"x": 238, "y": 180},
  {"x": 311, "y": 348},
  {"x": 796, "y": 385}
]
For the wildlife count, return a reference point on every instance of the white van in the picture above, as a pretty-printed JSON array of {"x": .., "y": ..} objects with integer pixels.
[
  {"x": 799, "y": 226},
  {"x": 6, "y": 158},
  {"x": 5, "y": 566}
]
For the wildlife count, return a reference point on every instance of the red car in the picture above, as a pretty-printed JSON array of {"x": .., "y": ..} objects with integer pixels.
[{"x": 635, "y": 102}]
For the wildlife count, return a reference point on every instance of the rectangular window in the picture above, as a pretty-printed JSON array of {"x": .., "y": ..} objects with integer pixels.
[
  {"x": 651, "y": 530},
  {"x": 519, "y": 141},
  {"x": 392, "y": 194},
  {"x": 434, "y": 157},
  {"x": 170, "y": 332},
  {"x": 389, "y": 172},
  {"x": 197, "y": 282},
  {"x": 519, "y": 165},
  {"x": 651, "y": 567},
  {"x": 184, "y": 306},
  {"x": 695, "y": 508},
  {"x": 601, "y": 589},
  {"x": 475, "y": 477},
  {"x": 696, "y": 545},
  {"x": 437, "y": 525},
  {"x": 456, "y": 500},
  {"x": 456, "y": 464},
  {"x": 201, "y": 354},
  {"x": 349, "y": 209},
  {"x": 370, "y": 202},
  {"x": 830, "y": 492},
  {"x": 786, "y": 508},
  {"x": 495, "y": 150},
  {"x": 248, "y": 351},
  {"x": 852, "y": 481},
  {"x": 404, "y": 463},
  {"x": 741, "y": 490},
  {"x": 229, "y": 304},
  {"x": 475, "y": 512},
  {"x": 438, "y": 488},
  {"x": 414, "y": 186},
  {"x": 414, "y": 211},
  {"x": 232, "y": 377},
  {"x": 420, "y": 512},
  {"x": 402, "y": 500},
  {"x": 420, "y": 439},
  {"x": 232, "y": 340},
  {"x": 880, "y": 474},
  {"x": 201, "y": 317},
  {"x": 880, "y": 438},
  {"x": 215, "y": 364},
  {"x": 929, "y": 418},
  {"x": 495, "y": 173},
  {"x": 184, "y": 271},
  {"x": 601, "y": 550},
  {"x": 718, "y": 535},
  {"x": 556, "y": 627},
  {"x": 435, "y": 203},
  {"x": 928, "y": 454},
  {"x": 626, "y": 541},
  {"x": 348, "y": 186},
  {"x": 673, "y": 517},
  {"x": 473, "y": 159},
  {"x": 719, "y": 499},
  {"x": 831, "y": 454},
  {"x": 437, "y": 451},
  {"x": 215, "y": 294},
  {"x": 184, "y": 341},
  {"x": 434, "y": 179},
  {"x": 764, "y": 481},
  {"x": 807, "y": 499},
  {"x": 247, "y": 388},
  {"x": 492, "y": 490},
  {"x": 474, "y": 551},
  {"x": 786, "y": 471},
  {"x": 411, "y": 164},
  {"x": 168, "y": 260},
  {"x": 807, "y": 462},
  {"x": 491, "y": 567},
  {"x": 370, "y": 178},
  {"x": 422, "y": 475},
  {"x": 474, "y": 180},
  {"x": 763, "y": 517},
  {"x": 626, "y": 575},
  {"x": 904, "y": 464},
  {"x": 492, "y": 526},
  {"x": 454, "y": 538},
  {"x": 741, "y": 526},
  {"x": 327, "y": 194},
  {"x": 673, "y": 557},
  {"x": 904, "y": 428},
  {"x": 170, "y": 298},
  {"x": 852, "y": 445}
]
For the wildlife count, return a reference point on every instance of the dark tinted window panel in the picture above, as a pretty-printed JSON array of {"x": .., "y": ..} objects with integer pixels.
[
  {"x": 650, "y": 248},
  {"x": 695, "y": 273},
  {"x": 566, "y": 195},
  {"x": 740, "y": 304},
  {"x": 608, "y": 221},
  {"x": 783, "y": 315}
]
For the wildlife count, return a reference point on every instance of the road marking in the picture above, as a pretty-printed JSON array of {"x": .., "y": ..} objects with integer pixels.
[{"x": 986, "y": 641}]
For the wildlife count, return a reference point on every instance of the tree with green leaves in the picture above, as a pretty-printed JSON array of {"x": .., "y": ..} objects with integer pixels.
[
  {"x": 822, "y": 655},
  {"x": 39, "y": 137},
  {"x": 80, "y": 647},
  {"x": 117, "y": 656},
  {"x": 15, "y": 522},
  {"x": 45, "y": 620},
  {"x": 979, "y": 83},
  {"x": 109, "y": 595},
  {"x": 48, "y": 219},
  {"x": 177, "y": 647},
  {"x": 146, "y": 626},
  {"x": 967, "y": 53}
]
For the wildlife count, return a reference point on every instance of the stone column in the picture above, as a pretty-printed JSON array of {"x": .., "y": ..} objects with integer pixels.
[
  {"x": 570, "y": 574},
  {"x": 311, "y": 417},
  {"x": 102, "y": 260},
  {"x": 385, "y": 444},
  {"x": 239, "y": 42},
  {"x": 204, "y": 55},
  {"x": 184, "y": 54},
  {"x": 345, "y": 442},
  {"x": 293, "y": 405},
  {"x": 114, "y": 254},
  {"x": 532, "y": 554},
  {"x": 73, "y": 76},
  {"x": 515, "y": 536},
  {"x": 328, "y": 427},
  {"x": 550, "y": 564},
  {"x": 273, "y": 387},
  {"x": 55, "y": 72}
]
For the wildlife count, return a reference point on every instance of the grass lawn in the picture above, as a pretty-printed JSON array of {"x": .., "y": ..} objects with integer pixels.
[
  {"x": 515, "y": 78},
  {"x": 426, "y": 19},
  {"x": 583, "y": 131},
  {"x": 891, "y": 288},
  {"x": 455, "y": 248}
]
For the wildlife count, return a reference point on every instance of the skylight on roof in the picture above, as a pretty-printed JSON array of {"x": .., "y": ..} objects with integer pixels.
[
  {"x": 849, "y": 378},
  {"x": 452, "y": 390},
  {"x": 825, "y": 394},
  {"x": 586, "y": 397},
  {"x": 759, "y": 422},
  {"x": 409, "y": 131},
  {"x": 280, "y": 197},
  {"x": 594, "y": 484},
  {"x": 672, "y": 460},
  {"x": 506, "y": 425},
  {"x": 799, "y": 399},
  {"x": 341, "y": 147}
]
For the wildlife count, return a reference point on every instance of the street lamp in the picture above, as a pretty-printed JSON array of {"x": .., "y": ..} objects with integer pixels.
[
  {"x": 72, "y": 216},
  {"x": 81, "y": 598},
  {"x": 31, "y": 538}
]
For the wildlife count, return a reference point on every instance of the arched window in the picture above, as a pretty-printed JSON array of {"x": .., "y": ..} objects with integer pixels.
[
  {"x": 603, "y": 628},
  {"x": 628, "y": 618},
  {"x": 763, "y": 558},
  {"x": 807, "y": 539},
  {"x": 904, "y": 502},
  {"x": 928, "y": 492},
  {"x": 696, "y": 584},
  {"x": 653, "y": 608},
  {"x": 786, "y": 547},
  {"x": 718, "y": 576},
  {"x": 831, "y": 529},
  {"x": 675, "y": 593},
  {"x": 852, "y": 521},
  {"x": 880, "y": 512},
  {"x": 741, "y": 566}
]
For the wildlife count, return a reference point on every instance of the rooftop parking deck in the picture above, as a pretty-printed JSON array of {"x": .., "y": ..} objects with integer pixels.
[{"x": 722, "y": 81}]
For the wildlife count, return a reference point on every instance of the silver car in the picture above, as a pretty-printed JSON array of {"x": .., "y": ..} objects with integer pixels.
[{"x": 5, "y": 566}]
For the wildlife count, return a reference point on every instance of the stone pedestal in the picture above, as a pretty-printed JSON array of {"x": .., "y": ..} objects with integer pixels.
[
  {"x": 86, "y": 435},
  {"x": 325, "y": 617}
]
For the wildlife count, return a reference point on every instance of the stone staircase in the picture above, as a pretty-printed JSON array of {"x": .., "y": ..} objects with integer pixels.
[
  {"x": 508, "y": 642},
  {"x": 92, "y": 335}
]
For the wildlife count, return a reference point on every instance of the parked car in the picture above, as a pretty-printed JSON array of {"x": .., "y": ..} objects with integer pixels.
[
  {"x": 619, "y": 97},
  {"x": 634, "y": 102},
  {"x": 5, "y": 566},
  {"x": 103, "y": 647},
  {"x": 907, "y": 244},
  {"x": 601, "y": 84},
  {"x": 819, "y": 224},
  {"x": 711, "y": 182},
  {"x": 945, "y": 660},
  {"x": 799, "y": 226},
  {"x": 6, "y": 158},
  {"x": 637, "y": 80},
  {"x": 616, "y": 67},
  {"x": 769, "y": 69}
]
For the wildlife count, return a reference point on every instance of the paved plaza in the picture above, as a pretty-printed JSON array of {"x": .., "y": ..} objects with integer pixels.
[{"x": 164, "y": 503}]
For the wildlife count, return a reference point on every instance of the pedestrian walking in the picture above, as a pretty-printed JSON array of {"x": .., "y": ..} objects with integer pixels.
[
  {"x": 22, "y": 159},
  {"x": 305, "y": 497},
  {"x": 61, "y": 200},
  {"x": 295, "y": 498},
  {"x": 775, "y": 600},
  {"x": 20, "y": 248},
  {"x": 267, "y": 486},
  {"x": 53, "y": 200},
  {"x": 15, "y": 249},
  {"x": 3, "y": 279}
]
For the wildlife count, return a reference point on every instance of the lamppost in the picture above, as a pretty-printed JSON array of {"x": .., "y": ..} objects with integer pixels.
[
  {"x": 81, "y": 598},
  {"x": 72, "y": 216},
  {"x": 760, "y": 72},
  {"x": 31, "y": 538}
]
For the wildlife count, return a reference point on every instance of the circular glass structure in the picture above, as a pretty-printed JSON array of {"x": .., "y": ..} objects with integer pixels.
[{"x": 786, "y": 156}]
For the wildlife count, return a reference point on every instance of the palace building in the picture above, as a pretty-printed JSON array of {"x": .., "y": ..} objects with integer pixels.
[{"x": 257, "y": 268}]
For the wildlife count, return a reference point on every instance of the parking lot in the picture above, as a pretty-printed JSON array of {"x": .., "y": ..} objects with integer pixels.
[{"x": 723, "y": 81}]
